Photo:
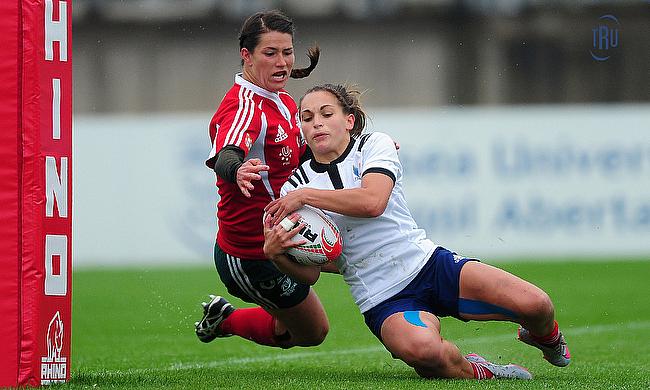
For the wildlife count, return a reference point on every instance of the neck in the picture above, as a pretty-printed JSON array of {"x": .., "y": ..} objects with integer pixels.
[
  {"x": 249, "y": 77},
  {"x": 331, "y": 155}
]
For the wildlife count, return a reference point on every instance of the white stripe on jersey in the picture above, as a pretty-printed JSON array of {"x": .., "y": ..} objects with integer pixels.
[
  {"x": 248, "y": 122},
  {"x": 243, "y": 117},
  {"x": 240, "y": 277},
  {"x": 265, "y": 174},
  {"x": 213, "y": 151},
  {"x": 241, "y": 103}
]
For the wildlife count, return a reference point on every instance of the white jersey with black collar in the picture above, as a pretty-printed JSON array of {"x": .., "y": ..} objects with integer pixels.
[{"x": 380, "y": 255}]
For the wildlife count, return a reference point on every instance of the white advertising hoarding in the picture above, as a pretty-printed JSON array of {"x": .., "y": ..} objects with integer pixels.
[
  {"x": 533, "y": 182},
  {"x": 497, "y": 182}
]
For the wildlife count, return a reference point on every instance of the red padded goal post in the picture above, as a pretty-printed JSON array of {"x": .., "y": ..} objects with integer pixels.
[{"x": 35, "y": 191}]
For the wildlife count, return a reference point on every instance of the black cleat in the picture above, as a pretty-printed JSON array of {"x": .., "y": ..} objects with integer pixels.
[{"x": 214, "y": 312}]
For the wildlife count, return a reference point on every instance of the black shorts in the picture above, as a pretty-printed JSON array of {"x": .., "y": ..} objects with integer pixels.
[{"x": 258, "y": 281}]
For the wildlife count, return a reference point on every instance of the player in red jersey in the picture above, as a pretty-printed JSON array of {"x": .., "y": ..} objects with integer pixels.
[{"x": 256, "y": 144}]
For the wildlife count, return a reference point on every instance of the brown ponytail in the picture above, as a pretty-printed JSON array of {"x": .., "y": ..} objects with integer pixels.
[{"x": 314, "y": 54}]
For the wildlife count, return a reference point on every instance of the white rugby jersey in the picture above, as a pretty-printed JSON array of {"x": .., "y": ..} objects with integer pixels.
[{"x": 380, "y": 255}]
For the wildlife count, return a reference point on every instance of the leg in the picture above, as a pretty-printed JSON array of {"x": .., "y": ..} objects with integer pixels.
[
  {"x": 290, "y": 313},
  {"x": 303, "y": 325},
  {"x": 306, "y": 323},
  {"x": 414, "y": 337},
  {"x": 489, "y": 293},
  {"x": 523, "y": 302},
  {"x": 422, "y": 347}
]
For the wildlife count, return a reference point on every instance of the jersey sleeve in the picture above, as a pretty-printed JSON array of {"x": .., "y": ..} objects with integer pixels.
[
  {"x": 378, "y": 155},
  {"x": 237, "y": 123}
]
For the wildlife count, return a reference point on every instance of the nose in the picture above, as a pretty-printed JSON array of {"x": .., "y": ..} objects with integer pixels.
[{"x": 282, "y": 62}]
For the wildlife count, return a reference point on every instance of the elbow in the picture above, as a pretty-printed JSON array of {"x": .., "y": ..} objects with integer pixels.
[{"x": 374, "y": 208}]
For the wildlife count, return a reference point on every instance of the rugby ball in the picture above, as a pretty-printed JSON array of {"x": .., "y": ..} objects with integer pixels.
[{"x": 324, "y": 241}]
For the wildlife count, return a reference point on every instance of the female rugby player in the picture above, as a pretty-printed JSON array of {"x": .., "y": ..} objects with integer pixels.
[
  {"x": 401, "y": 281},
  {"x": 256, "y": 138}
]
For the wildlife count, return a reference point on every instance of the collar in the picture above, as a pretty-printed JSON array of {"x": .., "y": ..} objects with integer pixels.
[
  {"x": 239, "y": 79},
  {"x": 273, "y": 96},
  {"x": 320, "y": 167}
]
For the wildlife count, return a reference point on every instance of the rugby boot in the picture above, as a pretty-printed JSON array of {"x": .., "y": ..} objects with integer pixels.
[
  {"x": 557, "y": 354},
  {"x": 508, "y": 371},
  {"x": 214, "y": 313}
]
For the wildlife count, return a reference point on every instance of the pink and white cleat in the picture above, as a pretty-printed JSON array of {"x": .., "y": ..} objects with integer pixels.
[
  {"x": 557, "y": 354},
  {"x": 508, "y": 371}
]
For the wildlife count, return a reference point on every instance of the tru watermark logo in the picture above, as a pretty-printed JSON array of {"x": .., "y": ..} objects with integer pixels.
[{"x": 605, "y": 38}]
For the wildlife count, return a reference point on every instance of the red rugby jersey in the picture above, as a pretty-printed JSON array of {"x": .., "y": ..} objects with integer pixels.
[{"x": 264, "y": 125}]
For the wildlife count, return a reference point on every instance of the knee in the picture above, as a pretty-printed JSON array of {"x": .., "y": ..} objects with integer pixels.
[
  {"x": 539, "y": 307},
  {"x": 427, "y": 358},
  {"x": 316, "y": 336}
]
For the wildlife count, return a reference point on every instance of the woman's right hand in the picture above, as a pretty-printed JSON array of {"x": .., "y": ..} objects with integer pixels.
[
  {"x": 247, "y": 172},
  {"x": 277, "y": 239}
]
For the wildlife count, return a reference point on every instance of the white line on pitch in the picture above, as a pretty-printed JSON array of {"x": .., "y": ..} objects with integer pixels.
[{"x": 590, "y": 329}]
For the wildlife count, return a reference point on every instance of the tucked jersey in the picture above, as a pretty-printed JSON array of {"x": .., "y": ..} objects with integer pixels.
[
  {"x": 264, "y": 125},
  {"x": 380, "y": 255}
]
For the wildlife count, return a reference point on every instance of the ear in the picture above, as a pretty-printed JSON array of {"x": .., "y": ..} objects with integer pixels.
[
  {"x": 349, "y": 122},
  {"x": 246, "y": 56}
]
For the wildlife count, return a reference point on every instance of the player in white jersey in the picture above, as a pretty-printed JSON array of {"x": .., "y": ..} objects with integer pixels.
[{"x": 401, "y": 281}]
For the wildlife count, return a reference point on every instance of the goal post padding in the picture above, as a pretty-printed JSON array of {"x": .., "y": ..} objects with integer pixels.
[{"x": 35, "y": 191}]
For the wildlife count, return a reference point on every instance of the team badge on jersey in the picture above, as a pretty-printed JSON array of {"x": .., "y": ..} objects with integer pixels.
[
  {"x": 282, "y": 135},
  {"x": 356, "y": 167},
  {"x": 248, "y": 141},
  {"x": 356, "y": 170},
  {"x": 285, "y": 155}
]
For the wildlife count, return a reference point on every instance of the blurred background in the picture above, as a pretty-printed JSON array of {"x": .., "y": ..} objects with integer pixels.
[
  {"x": 180, "y": 55},
  {"x": 524, "y": 124}
]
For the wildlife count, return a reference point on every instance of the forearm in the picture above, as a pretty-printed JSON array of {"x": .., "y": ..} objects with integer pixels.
[
  {"x": 354, "y": 202},
  {"x": 229, "y": 159},
  {"x": 307, "y": 274},
  {"x": 329, "y": 268}
]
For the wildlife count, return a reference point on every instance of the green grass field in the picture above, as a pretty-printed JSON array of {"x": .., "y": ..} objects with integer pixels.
[{"x": 134, "y": 329}]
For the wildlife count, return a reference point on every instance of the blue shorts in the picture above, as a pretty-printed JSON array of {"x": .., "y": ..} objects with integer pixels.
[{"x": 435, "y": 290}]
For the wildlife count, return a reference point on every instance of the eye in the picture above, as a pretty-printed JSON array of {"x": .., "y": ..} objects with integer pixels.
[
  {"x": 327, "y": 114},
  {"x": 288, "y": 52},
  {"x": 306, "y": 118},
  {"x": 269, "y": 53}
]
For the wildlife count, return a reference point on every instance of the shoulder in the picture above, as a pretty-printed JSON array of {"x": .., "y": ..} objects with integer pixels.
[
  {"x": 288, "y": 100},
  {"x": 238, "y": 100},
  {"x": 286, "y": 97},
  {"x": 299, "y": 177},
  {"x": 232, "y": 98},
  {"x": 373, "y": 140}
]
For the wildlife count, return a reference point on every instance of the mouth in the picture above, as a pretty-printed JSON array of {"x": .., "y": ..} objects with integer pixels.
[
  {"x": 279, "y": 76},
  {"x": 319, "y": 136}
]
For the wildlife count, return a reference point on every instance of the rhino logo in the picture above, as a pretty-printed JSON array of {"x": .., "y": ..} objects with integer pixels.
[{"x": 55, "y": 338}]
